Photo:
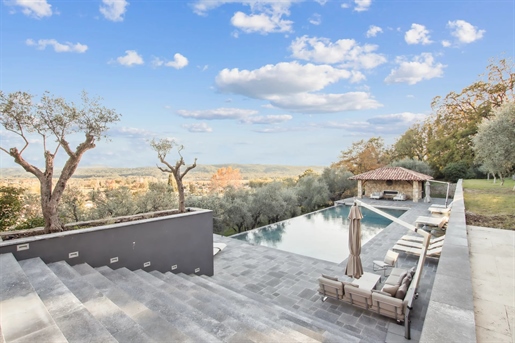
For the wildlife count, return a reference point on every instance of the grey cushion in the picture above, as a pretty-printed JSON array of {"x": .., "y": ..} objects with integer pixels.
[
  {"x": 392, "y": 290},
  {"x": 334, "y": 278},
  {"x": 401, "y": 292},
  {"x": 412, "y": 271}
]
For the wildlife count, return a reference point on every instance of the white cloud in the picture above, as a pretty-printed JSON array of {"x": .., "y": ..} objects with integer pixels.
[
  {"x": 289, "y": 86},
  {"x": 217, "y": 114},
  {"x": 325, "y": 103},
  {"x": 179, "y": 62},
  {"x": 33, "y": 8},
  {"x": 345, "y": 5},
  {"x": 344, "y": 51},
  {"x": 465, "y": 32},
  {"x": 131, "y": 58},
  {"x": 446, "y": 43},
  {"x": 422, "y": 67},
  {"x": 373, "y": 31},
  {"x": 269, "y": 119},
  {"x": 417, "y": 35},
  {"x": 387, "y": 124},
  {"x": 284, "y": 78},
  {"x": 362, "y": 5},
  {"x": 58, "y": 47},
  {"x": 322, "y": 2},
  {"x": 131, "y": 132},
  {"x": 197, "y": 128},
  {"x": 261, "y": 23},
  {"x": 201, "y": 7},
  {"x": 114, "y": 9},
  {"x": 315, "y": 19}
]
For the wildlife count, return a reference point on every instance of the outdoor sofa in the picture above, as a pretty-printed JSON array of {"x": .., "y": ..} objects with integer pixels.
[{"x": 391, "y": 301}]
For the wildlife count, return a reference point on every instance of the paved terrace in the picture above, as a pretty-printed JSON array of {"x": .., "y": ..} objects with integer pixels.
[{"x": 291, "y": 280}]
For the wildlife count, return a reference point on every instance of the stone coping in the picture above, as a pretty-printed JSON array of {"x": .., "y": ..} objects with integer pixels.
[{"x": 450, "y": 314}]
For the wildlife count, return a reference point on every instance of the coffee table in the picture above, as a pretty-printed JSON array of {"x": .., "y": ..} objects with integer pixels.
[{"x": 367, "y": 281}]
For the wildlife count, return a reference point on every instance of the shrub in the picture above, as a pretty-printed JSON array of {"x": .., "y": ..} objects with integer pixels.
[{"x": 455, "y": 171}]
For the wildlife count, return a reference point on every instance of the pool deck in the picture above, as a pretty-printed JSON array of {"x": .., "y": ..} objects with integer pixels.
[{"x": 291, "y": 280}]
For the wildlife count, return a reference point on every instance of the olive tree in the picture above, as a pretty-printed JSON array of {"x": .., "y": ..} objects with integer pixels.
[
  {"x": 53, "y": 120},
  {"x": 163, "y": 148},
  {"x": 494, "y": 143}
]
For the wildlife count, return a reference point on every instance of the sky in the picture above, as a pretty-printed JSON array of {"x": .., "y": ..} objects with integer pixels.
[{"x": 264, "y": 82}]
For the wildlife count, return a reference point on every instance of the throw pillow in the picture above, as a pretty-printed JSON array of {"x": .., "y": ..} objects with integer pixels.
[
  {"x": 334, "y": 278},
  {"x": 407, "y": 280},
  {"x": 413, "y": 270},
  {"x": 401, "y": 277},
  {"x": 401, "y": 292},
  {"x": 391, "y": 289}
]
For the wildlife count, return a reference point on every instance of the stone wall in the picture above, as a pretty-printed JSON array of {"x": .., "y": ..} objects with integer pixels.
[{"x": 405, "y": 187}]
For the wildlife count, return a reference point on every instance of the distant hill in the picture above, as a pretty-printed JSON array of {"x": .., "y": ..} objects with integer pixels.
[{"x": 201, "y": 172}]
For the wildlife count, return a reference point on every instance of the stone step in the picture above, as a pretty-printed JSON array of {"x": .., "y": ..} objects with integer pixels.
[
  {"x": 308, "y": 325},
  {"x": 117, "y": 323},
  {"x": 209, "y": 305},
  {"x": 285, "y": 304},
  {"x": 196, "y": 326},
  {"x": 73, "y": 319},
  {"x": 154, "y": 324},
  {"x": 262, "y": 320},
  {"x": 23, "y": 316}
]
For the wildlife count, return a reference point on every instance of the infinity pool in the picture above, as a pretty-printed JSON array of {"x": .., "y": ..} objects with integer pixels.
[{"x": 322, "y": 235}]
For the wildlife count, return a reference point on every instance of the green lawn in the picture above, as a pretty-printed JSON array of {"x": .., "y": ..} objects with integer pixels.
[{"x": 490, "y": 204}]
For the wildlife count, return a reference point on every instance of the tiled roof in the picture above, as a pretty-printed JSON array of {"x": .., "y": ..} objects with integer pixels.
[{"x": 392, "y": 173}]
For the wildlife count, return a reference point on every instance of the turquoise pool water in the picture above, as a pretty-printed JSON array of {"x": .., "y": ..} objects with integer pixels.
[{"x": 322, "y": 235}]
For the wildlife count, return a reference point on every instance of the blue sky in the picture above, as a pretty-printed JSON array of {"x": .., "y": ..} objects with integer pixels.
[{"x": 266, "y": 82}]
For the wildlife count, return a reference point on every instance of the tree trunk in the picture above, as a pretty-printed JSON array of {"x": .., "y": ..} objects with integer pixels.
[{"x": 180, "y": 189}]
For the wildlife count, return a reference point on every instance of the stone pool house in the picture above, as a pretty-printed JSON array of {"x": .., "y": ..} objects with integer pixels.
[
  {"x": 391, "y": 181},
  {"x": 156, "y": 280}
]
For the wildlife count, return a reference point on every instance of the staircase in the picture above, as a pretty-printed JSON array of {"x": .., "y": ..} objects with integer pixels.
[{"x": 60, "y": 303}]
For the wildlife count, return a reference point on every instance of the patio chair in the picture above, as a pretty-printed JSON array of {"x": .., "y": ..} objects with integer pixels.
[
  {"x": 377, "y": 195},
  {"x": 390, "y": 261}
]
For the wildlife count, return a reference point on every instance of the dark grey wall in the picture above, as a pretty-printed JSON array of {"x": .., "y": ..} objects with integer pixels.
[{"x": 185, "y": 240}]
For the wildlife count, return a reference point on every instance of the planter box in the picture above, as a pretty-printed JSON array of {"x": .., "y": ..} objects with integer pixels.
[{"x": 181, "y": 243}]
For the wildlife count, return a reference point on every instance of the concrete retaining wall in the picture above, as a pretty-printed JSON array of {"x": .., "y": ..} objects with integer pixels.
[
  {"x": 450, "y": 314},
  {"x": 183, "y": 240}
]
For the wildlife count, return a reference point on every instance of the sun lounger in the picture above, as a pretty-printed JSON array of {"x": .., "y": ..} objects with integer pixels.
[
  {"x": 377, "y": 195},
  {"x": 400, "y": 197},
  {"x": 439, "y": 210},
  {"x": 435, "y": 252},
  {"x": 421, "y": 239},
  {"x": 432, "y": 221},
  {"x": 217, "y": 247},
  {"x": 419, "y": 245}
]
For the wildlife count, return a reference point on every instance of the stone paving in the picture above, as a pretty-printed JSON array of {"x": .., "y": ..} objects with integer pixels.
[
  {"x": 492, "y": 258},
  {"x": 290, "y": 280}
]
